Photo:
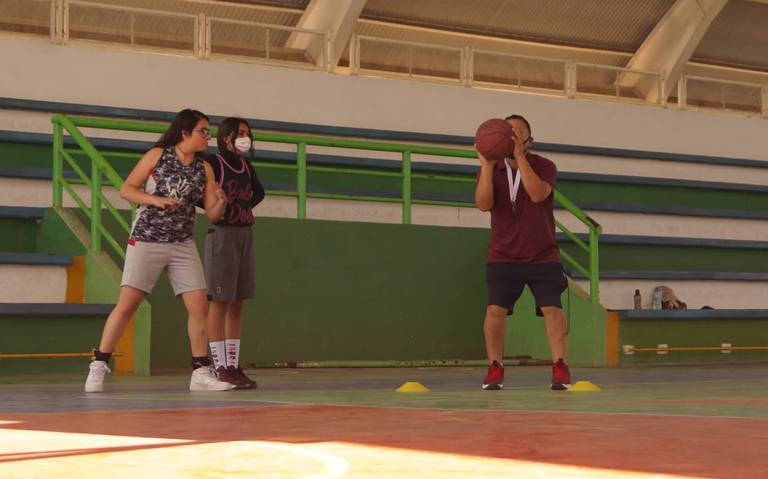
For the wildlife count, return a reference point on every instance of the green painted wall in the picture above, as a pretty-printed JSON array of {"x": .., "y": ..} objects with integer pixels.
[
  {"x": 46, "y": 334},
  {"x": 55, "y": 236},
  {"x": 336, "y": 291},
  {"x": 349, "y": 291},
  {"x": 32, "y": 155},
  {"x": 18, "y": 235},
  {"x": 25, "y": 155},
  {"x": 637, "y": 257},
  {"x": 694, "y": 333},
  {"x": 340, "y": 291},
  {"x": 666, "y": 196},
  {"x": 526, "y": 335}
]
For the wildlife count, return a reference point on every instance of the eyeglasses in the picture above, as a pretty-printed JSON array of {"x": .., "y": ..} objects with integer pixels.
[{"x": 203, "y": 131}]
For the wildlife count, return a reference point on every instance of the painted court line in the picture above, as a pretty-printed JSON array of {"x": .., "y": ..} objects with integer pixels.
[
  {"x": 335, "y": 466},
  {"x": 182, "y": 397},
  {"x": 552, "y": 411}
]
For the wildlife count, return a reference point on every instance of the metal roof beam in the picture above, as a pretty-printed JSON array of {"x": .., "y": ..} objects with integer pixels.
[
  {"x": 670, "y": 45},
  {"x": 338, "y": 17}
]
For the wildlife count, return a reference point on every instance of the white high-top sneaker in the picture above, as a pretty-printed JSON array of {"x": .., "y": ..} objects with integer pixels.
[
  {"x": 94, "y": 383},
  {"x": 204, "y": 379}
]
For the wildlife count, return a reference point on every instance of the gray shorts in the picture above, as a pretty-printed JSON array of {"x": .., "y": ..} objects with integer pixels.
[
  {"x": 229, "y": 263},
  {"x": 144, "y": 261}
]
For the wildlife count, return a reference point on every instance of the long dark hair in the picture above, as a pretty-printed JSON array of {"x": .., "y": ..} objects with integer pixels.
[
  {"x": 185, "y": 120},
  {"x": 228, "y": 131}
]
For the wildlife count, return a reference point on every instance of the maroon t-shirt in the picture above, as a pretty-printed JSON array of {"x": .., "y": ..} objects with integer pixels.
[{"x": 528, "y": 235}]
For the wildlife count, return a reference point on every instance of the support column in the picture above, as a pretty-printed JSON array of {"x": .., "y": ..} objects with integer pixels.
[
  {"x": 338, "y": 17},
  {"x": 670, "y": 45}
]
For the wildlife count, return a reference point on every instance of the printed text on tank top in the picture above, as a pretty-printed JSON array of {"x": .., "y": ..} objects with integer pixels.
[{"x": 238, "y": 193}]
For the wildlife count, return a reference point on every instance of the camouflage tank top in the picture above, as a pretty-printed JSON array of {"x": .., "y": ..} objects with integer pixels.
[{"x": 170, "y": 179}]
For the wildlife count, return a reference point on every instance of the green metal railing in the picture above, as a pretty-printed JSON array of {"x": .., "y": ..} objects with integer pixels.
[{"x": 103, "y": 174}]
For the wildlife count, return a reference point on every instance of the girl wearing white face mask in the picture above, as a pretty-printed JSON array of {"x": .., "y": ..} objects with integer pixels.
[{"x": 229, "y": 262}]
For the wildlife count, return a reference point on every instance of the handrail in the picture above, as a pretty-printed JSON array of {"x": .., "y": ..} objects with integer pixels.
[
  {"x": 70, "y": 124},
  {"x": 410, "y": 43},
  {"x": 722, "y": 80},
  {"x": 463, "y": 59},
  {"x": 322, "y": 35},
  {"x": 68, "y": 4},
  {"x": 271, "y": 26},
  {"x": 100, "y": 168},
  {"x": 129, "y": 9}
]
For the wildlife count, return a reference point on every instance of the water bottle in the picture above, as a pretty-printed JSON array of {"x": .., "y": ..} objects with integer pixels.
[
  {"x": 638, "y": 300},
  {"x": 656, "y": 301}
]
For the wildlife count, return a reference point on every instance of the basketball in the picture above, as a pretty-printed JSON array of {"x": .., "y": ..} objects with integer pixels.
[{"x": 494, "y": 139}]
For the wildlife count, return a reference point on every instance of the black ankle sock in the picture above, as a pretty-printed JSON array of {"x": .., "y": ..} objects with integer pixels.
[
  {"x": 99, "y": 356},
  {"x": 198, "y": 362}
]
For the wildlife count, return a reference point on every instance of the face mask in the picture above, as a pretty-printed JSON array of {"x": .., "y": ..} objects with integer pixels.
[{"x": 244, "y": 144}]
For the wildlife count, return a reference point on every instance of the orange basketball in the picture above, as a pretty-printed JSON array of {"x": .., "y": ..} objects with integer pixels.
[{"x": 494, "y": 139}]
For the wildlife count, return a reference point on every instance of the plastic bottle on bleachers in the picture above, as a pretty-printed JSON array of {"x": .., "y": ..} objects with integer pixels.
[
  {"x": 638, "y": 300},
  {"x": 656, "y": 299}
]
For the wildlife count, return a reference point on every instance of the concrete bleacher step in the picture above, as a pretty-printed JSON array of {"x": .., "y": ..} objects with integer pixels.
[
  {"x": 672, "y": 254},
  {"x": 719, "y": 290},
  {"x": 19, "y": 226},
  {"x": 609, "y": 184},
  {"x": 27, "y": 275},
  {"x": 33, "y": 191},
  {"x": 702, "y": 336},
  {"x": 37, "y": 193},
  {"x": 33, "y": 277}
]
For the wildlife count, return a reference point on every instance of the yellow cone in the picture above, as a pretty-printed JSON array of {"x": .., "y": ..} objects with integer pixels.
[
  {"x": 412, "y": 387},
  {"x": 583, "y": 387}
]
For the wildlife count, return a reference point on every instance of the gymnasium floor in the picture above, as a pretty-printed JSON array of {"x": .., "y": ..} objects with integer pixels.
[{"x": 653, "y": 422}]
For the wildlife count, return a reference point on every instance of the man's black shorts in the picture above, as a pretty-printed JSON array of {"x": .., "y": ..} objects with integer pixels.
[{"x": 506, "y": 282}]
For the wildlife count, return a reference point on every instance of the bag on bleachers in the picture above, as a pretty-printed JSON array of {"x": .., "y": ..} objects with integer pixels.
[{"x": 669, "y": 300}]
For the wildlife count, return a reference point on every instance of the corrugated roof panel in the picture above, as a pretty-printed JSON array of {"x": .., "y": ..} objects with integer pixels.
[
  {"x": 251, "y": 13},
  {"x": 737, "y": 37},
  {"x": 299, "y": 4},
  {"x": 603, "y": 24},
  {"x": 404, "y": 33}
]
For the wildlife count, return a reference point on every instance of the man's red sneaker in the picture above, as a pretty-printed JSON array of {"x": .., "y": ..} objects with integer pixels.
[
  {"x": 561, "y": 376},
  {"x": 494, "y": 380}
]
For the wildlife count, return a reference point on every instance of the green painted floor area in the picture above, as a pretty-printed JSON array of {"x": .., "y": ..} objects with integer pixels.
[{"x": 723, "y": 391}]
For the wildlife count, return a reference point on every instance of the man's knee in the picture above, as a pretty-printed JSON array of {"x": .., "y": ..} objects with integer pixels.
[
  {"x": 552, "y": 312},
  {"x": 496, "y": 312}
]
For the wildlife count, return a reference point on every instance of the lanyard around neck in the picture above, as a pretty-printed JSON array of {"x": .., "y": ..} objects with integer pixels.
[{"x": 514, "y": 183}]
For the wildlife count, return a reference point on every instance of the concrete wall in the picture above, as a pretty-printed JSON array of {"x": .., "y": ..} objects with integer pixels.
[{"x": 36, "y": 69}]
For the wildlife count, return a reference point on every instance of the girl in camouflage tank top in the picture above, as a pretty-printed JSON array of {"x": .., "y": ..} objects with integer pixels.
[
  {"x": 174, "y": 179},
  {"x": 170, "y": 178}
]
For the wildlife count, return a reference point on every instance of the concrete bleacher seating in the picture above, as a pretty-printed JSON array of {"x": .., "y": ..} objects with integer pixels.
[{"x": 664, "y": 221}]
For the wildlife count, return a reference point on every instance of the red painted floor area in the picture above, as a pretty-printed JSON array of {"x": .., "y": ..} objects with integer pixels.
[{"x": 714, "y": 447}]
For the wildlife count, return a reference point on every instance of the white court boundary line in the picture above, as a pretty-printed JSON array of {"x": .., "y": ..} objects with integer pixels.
[{"x": 335, "y": 466}]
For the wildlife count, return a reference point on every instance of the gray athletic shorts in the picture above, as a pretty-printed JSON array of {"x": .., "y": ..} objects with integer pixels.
[
  {"x": 229, "y": 263},
  {"x": 144, "y": 261}
]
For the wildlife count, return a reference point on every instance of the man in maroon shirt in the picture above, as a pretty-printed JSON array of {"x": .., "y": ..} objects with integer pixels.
[{"x": 519, "y": 193}]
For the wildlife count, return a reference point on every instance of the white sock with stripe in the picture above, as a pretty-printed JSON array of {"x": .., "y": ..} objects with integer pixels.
[
  {"x": 233, "y": 352},
  {"x": 217, "y": 353}
]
